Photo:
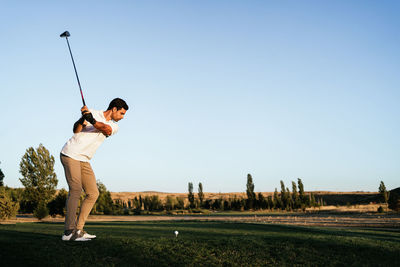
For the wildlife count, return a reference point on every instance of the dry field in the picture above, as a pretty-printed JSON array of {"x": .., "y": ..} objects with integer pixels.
[
  {"x": 125, "y": 196},
  {"x": 357, "y": 216}
]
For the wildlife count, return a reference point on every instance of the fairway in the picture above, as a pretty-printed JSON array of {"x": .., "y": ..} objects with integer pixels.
[{"x": 198, "y": 244}]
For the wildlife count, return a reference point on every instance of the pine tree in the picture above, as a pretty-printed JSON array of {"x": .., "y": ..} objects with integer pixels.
[
  {"x": 8, "y": 207},
  {"x": 251, "y": 196},
  {"x": 383, "y": 192},
  {"x": 191, "y": 196},
  {"x": 39, "y": 178},
  {"x": 201, "y": 194}
]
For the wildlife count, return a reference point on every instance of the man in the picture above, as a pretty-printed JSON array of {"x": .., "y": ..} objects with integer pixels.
[{"x": 89, "y": 133}]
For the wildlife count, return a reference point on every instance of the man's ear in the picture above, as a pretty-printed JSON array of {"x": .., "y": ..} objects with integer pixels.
[{"x": 114, "y": 109}]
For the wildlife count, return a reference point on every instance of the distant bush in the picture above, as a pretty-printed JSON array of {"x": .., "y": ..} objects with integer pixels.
[
  {"x": 57, "y": 205},
  {"x": 41, "y": 211},
  {"x": 8, "y": 208},
  {"x": 380, "y": 209},
  {"x": 394, "y": 199}
]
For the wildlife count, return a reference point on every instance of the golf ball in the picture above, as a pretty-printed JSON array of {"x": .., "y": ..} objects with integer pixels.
[{"x": 176, "y": 233}]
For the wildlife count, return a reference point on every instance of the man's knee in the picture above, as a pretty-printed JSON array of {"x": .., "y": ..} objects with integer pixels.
[
  {"x": 74, "y": 193},
  {"x": 93, "y": 195}
]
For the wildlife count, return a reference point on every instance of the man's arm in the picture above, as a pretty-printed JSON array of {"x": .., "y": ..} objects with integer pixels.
[
  {"x": 79, "y": 125},
  {"x": 102, "y": 127}
]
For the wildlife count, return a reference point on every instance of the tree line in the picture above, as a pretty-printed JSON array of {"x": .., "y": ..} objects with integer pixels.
[{"x": 40, "y": 198}]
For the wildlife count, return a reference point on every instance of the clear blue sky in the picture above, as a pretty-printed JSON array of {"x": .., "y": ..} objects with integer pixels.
[{"x": 217, "y": 90}]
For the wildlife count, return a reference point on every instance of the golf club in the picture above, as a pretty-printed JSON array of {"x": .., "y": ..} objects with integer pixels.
[{"x": 66, "y": 35}]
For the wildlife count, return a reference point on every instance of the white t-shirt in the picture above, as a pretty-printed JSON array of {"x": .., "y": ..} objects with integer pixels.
[{"x": 82, "y": 146}]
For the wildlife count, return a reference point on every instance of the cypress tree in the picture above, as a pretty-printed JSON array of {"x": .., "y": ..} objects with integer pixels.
[
  {"x": 191, "y": 196},
  {"x": 295, "y": 196},
  {"x": 289, "y": 204},
  {"x": 284, "y": 199},
  {"x": 277, "y": 200},
  {"x": 302, "y": 196},
  {"x": 201, "y": 194},
  {"x": 270, "y": 203},
  {"x": 251, "y": 196}
]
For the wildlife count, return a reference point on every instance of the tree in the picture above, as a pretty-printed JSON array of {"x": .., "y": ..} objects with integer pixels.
[
  {"x": 302, "y": 195},
  {"x": 201, "y": 194},
  {"x": 191, "y": 196},
  {"x": 155, "y": 203},
  {"x": 8, "y": 207},
  {"x": 1, "y": 177},
  {"x": 270, "y": 202},
  {"x": 57, "y": 205},
  {"x": 251, "y": 196},
  {"x": 289, "y": 203},
  {"x": 394, "y": 199},
  {"x": 383, "y": 192},
  {"x": 39, "y": 178},
  {"x": 262, "y": 201},
  {"x": 295, "y": 196},
  {"x": 104, "y": 203},
  {"x": 277, "y": 200},
  {"x": 170, "y": 203},
  {"x": 283, "y": 196}
]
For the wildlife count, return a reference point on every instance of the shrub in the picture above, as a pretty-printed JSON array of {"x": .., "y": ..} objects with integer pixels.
[
  {"x": 41, "y": 211},
  {"x": 57, "y": 205},
  {"x": 8, "y": 208}
]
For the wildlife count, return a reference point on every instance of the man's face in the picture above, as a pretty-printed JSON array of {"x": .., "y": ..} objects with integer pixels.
[{"x": 117, "y": 115}]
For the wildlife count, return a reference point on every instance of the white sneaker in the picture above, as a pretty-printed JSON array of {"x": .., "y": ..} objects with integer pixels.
[
  {"x": 87, "y": 235},
  {"x": 78, "y": 236},
  {"x": 66, "y": 237}
]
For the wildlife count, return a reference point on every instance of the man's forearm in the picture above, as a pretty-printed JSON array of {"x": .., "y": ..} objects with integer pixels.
[
  {"x": 104, "y": 128},
  {"x": 78, "y": 125}
]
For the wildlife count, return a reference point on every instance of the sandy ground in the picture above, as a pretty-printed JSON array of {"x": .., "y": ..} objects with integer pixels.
[{"x": 304, "y": 219}]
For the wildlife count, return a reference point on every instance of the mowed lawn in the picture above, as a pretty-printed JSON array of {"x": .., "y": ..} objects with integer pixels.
[{"x": 198, "y": 244}]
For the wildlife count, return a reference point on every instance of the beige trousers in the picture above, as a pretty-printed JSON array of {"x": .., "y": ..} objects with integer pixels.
[{"x": 79, "y": 175}]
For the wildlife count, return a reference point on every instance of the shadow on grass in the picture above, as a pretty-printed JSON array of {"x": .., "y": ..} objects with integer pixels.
[{"x": 200, "y": 243}]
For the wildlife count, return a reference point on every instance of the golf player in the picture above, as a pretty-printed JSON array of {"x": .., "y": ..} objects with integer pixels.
[{"x": 89, "y": 133}]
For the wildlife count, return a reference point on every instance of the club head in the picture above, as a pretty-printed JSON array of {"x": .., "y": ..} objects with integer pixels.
[{"x": 65, "y": 34}]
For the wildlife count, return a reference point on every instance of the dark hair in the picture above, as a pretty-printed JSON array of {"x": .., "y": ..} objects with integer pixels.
[{"x": 118, "y": 103}]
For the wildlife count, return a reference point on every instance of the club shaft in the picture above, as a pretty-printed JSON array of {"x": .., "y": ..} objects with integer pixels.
[{"x": 76, "y": 73}]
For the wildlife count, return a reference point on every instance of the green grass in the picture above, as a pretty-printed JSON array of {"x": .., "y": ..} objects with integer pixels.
[{"x": 198, "y": 244}]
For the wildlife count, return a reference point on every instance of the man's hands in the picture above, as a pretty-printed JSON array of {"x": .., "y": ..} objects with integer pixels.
[{"x": 87, "y": 115}]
